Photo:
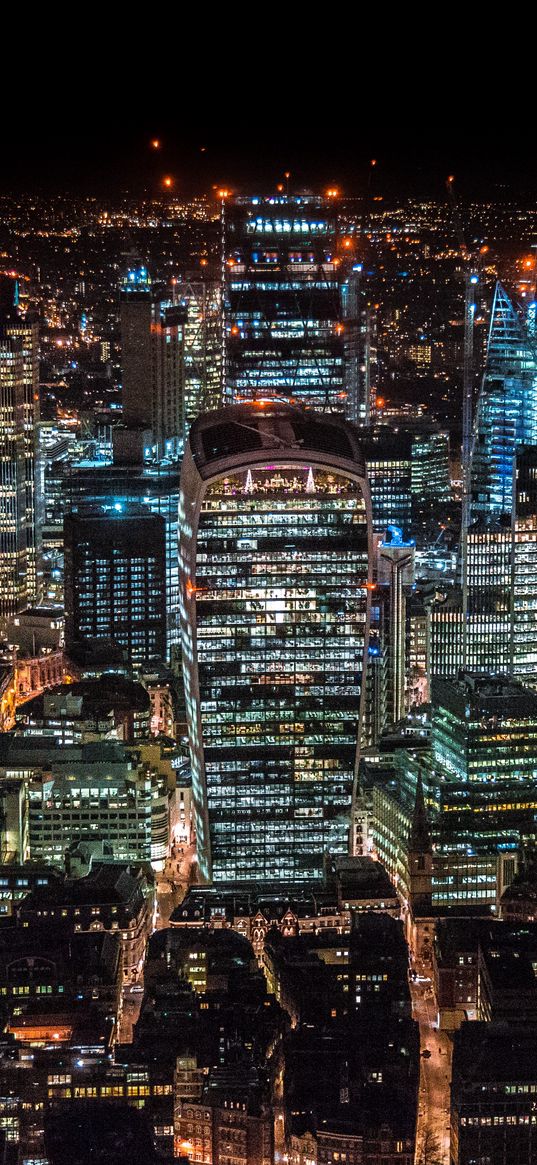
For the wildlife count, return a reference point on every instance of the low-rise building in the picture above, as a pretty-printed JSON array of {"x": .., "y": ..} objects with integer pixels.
[
  {"x": 114, "y": 897},
  {"x": 17, "y": 880},
  {"x": 494, "y": 1095},
  {"x": 58, "y": 987},
  {"x": 507, "y": 974},
  {"x": 455, "y": 967}
]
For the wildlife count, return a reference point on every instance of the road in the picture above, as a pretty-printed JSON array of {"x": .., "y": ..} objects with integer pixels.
[
  {"x": 435, "y": 1078},
  {"x": 173, "y": 883},
  {"x": 171, "y": 887}
]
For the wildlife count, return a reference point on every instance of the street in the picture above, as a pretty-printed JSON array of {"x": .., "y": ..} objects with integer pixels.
[
  {"x": 171, "y": 886},
  {"x": 435, "y": 1077}
]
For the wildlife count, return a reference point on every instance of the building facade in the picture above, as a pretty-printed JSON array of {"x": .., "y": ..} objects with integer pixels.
[
  {"x": 274, "y": 561},
  {"x": 21, "y": 493},
  {"x": 506, "y": 411},
  {"x": 152, "y": 343},
  {"x": 202, "y": 298},
  {"x": 292, "y": 318},
  {"x": 115, "y": 580},
  {"x": 155, "y": 486}
]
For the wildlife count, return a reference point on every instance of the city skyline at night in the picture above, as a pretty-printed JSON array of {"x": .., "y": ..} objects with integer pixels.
[{"x": 268, "y": 605}]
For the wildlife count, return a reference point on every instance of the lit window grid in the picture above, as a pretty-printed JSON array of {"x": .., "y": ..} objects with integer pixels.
[{"x": 274, "y": 802}]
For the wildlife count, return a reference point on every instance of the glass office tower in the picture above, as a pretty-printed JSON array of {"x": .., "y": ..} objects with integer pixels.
[
  {"x": 154, "y": 486},
  {"x": 274, "y": 570},
  {"x": 292, "y": 305},
  {"x": 201, "y": 297},
  {"x": 115, "y": 580},
  {"x": 506, "y": 410},
  {"x": 21, "y": 492},
  {"x": 152, "y": 360},
  {"x": 525, "y": 567}
]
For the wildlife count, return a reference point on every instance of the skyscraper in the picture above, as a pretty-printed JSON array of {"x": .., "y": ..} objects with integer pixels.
[
  {"x": 115, "y": 580},
  {"x": 20, "y": 494},
  {"x": 202, "y": 299},
  {"x": 274, "y": 564},
  {"x": 292, "y": 310},
  {"x": 152, "y": 362},
  {"x": 487, "y": 627},
  {"x": 524, "y": 531},
  {"x": 395, "y": 571},
  {"x": 506, "y": 410},
  {"x": 506, "y": 420},
  {"x": 155, "y": 486}
]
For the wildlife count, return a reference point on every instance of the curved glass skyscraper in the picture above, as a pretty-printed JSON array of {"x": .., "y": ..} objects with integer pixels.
[{"x": 274, "y": 566}]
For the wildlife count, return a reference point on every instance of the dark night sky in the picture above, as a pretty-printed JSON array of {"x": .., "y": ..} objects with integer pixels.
[{"x": 324, "y": 124}]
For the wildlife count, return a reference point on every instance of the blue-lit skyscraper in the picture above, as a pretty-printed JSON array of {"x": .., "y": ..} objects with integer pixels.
[
  {"x": 292, "y": 320},
  {"x": 506, "y": 410},
  {"x": 506, "y": 421},
  {"x": 274, "y": 571}
]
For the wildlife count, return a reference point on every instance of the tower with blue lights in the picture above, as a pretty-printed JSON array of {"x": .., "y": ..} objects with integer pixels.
[
  {"x": 505, "y": 423},
  {"x": 506, "y": 415}
]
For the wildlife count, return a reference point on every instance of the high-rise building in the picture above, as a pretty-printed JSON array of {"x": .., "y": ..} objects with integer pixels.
[
  {"x": 155, "y": 486},
  {"x": 506, "y": 410},
  {"x": 292, "y": 305},
  {"x": 203, "y": 336},
  {"x": 152, "y": 328},
  {"x": 20, "y": 524},
  {"x": 408, "y": 472},
  {"x": 506, "y": 420},
  {"x": 524, "y": 646},
  {"x": 274, "y": 561},
  {"x": 115, "y": 580},
  {"x": 395, "y": 571},
  {"x": 478, "y": 782},
  {"x": 487, "y": 627}
]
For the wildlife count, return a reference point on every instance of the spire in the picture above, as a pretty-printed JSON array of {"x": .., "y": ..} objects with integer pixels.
[
  {"x": 310, "y": 483},
  {"x": 249, "y": 484},
  {"x": 507, "y": 335},
  {"x": 420, "y": 837}
]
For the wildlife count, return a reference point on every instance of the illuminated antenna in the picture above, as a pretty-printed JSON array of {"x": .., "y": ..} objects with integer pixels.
[
  {"x": 310, "y": 483},
  {"x": 249, "y": 485}
]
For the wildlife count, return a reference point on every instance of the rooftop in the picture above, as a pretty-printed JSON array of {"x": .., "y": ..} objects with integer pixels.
[{"x": 268, "y": 428}]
